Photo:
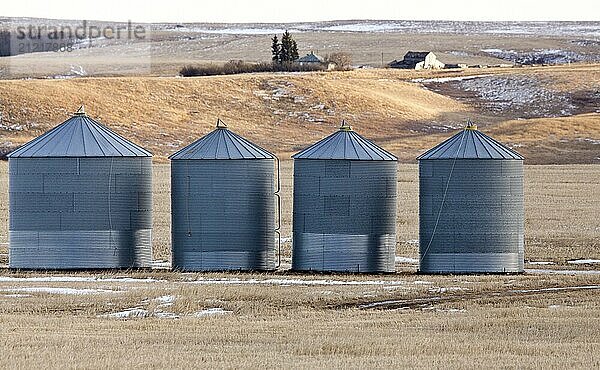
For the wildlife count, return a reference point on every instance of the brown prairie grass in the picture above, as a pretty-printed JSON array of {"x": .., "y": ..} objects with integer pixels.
[
  {"x": 306, "y": 326},
  {"x": 286, "y": 112}
]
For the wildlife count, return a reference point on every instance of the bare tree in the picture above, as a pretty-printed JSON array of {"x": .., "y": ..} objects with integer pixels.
[{"x": 343, "y": 61}]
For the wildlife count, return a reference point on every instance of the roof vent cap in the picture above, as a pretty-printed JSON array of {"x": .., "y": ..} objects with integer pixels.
[
  {"x": 80, "y": 111},
  {"x": 471, "y": 125},
  {"x": 345, "y": 126},
  {"x": 221, "y": 124}
]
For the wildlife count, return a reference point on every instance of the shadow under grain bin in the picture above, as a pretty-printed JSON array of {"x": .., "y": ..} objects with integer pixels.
[
  {"x": 345, "y": 194},
  {"x": 80, "y": 198},
  {"x": 471, "y": 214},
  {"x": 223, "y": 196}
]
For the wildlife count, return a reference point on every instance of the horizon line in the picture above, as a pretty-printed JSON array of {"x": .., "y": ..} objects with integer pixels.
[{"x": 304, "y": 22}]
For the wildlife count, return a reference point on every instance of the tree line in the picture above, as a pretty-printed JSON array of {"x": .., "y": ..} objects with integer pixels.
[
  {"x": 284, "y": 54},
  {"x": 284, "y": 51}
]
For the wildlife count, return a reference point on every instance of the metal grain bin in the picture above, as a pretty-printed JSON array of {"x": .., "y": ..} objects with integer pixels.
[
  {"x": 80, "y": 198},
  {"x": 345, "y": 190},
  {"x": 471, "y": 206},
  {"x": 223, "y": 204}
]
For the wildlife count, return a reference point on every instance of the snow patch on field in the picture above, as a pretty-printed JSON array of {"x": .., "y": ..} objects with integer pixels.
[
  {"x": 586, "y": 42},
  {"x": 165, "y": 300},
  {"x": 452, "y": 310},
  {"x": 364, "y": 27},
  {"x": 15, "y": 127},
  {"x": 539, "y": 56},
  {"x": 166, "y": 315},
  {"x": 323, "y": 282},
  {"x": 128, "y": 313},
  {"x": 235, "y": 31},
  {"x": 579, "y": 30},
  {"x": 401, "y": 259},
  {"x": 541, "y": 28},
  {"x": 161, "y": 264},
  {"x": 459, "y": 53},
  {"x": 448, "y": 289},
  {"x": 521, "y": 95},
  {"x": 540, "y": 263},
  {"x": 447, "y": 79},
  {"x": 282, "y": 100},
  {"x": 444, "y": 310},
  {"x": 211, "y": 312},
  {"x": 17, "y": 295},
  {"x": 53, "y": 290},
  {"x": 562, "y": 272},
  {"x": 421, "y": 282},
  {"x": 140, "y": 312},
  {"x": 76, "y": 279},
  {"x": 589, "y": 140},
  {"x": 584, "y": 261},
  {"x": 492, "y": 51},
  {"x": 557, "y": 289},
  {"x": 379, "y": 304}
]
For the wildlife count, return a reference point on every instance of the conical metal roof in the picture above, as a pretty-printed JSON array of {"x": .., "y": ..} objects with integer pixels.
[
  {"x": 79, "y": 136},
  {"x": 470, "y": 144},
  {"x": 222, "y": 144},
  {"x": 345, "y": 144}
]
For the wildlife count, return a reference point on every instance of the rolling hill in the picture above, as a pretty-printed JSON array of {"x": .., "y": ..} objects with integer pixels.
[{"x": 404, "y": 111}]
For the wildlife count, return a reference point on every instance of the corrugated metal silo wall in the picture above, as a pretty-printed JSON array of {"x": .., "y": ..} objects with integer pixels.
[
  {"x": 481, "y": 226},
  {"x": 344, "y": 215},
  {"x": 80, "y": 213},
  {"x": 223, "y": 214}
]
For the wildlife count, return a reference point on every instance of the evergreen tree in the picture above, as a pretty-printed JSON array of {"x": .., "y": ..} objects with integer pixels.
[
  {"x": 294, "y": 51},
  {"x": 286, "y": 47},
  {"x": 276, "y": 50},
  {"x": 284, "y": 51}
]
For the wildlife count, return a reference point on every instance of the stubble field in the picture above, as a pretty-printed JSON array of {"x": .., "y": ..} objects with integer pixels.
[{"x": 548, "y": 317}]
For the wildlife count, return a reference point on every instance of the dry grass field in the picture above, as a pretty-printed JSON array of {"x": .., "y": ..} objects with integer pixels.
[
  {"x": 452, "y": 322},
  {"x": 285, "y": 112},
  {"x": 549, "y": 317}
]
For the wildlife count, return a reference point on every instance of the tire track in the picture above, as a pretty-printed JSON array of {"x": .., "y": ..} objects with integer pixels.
[{"x": 416, "y": 303}]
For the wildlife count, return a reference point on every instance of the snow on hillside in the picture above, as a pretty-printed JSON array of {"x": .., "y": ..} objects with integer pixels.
[
  {"x": 364, "y": 27},
  {"x": 578, "y": 29},
  {"x": 541, "y": 56},
  {"x": 521, "y": 95},
  {"x": 234, "y": 30}
]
